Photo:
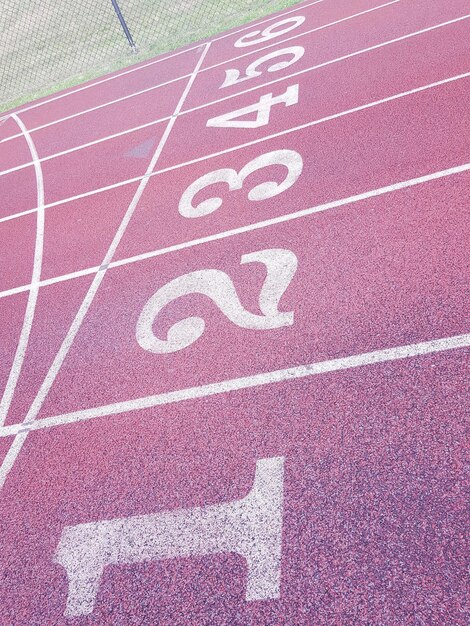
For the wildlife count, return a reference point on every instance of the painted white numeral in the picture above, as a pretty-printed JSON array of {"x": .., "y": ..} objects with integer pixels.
[
  {"x": 290, "y": 159},
  {"x": 232, "y": 77},
  {"x": 271, "y": 32},
  {"x": 262, "y": 108},
  {"x": 250, "y": 527},
  {"x": 281, "y": 266}
]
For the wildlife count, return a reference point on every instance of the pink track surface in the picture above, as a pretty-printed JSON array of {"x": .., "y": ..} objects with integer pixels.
[{"x": 367, "y": 247}]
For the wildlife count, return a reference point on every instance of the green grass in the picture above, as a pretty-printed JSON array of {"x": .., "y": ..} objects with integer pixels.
[{"x": 50, "y": 45}]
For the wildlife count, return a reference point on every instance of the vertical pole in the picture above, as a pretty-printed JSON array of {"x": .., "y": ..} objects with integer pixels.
[{"x": 125, "y": 28}]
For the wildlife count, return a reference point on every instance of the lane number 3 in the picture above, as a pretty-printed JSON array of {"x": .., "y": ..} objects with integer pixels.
[{"x": 290, "y": 159}]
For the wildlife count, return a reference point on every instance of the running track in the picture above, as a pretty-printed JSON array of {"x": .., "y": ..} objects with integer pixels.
[{"x": 234, "y": 330}]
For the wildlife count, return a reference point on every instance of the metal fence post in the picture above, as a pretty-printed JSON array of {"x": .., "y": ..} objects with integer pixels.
[{"x": 125, "y": 28}]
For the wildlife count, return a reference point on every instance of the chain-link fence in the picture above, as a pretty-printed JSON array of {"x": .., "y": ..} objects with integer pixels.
[{"x": 50, "y": 44}]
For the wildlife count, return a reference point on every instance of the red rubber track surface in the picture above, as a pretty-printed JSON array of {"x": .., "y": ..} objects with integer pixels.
[{"x": 373, "y": 233}]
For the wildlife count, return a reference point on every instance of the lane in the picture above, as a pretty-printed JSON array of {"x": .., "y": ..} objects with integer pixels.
[
  {"x": 429, "y": 133},
  {"x": 372, "y": 511},
  {"x": 55, "y": 310},
  {"x": 11, "y": 200},
  {"x": 121, "y": 85},
  {"x": 385, "y": 272},
  {"x": 16, "y": 261},
  {"x": 20, "y": 154},
  {"x": 330, "y": 90},
  {"x": 348, "y": 37},
  {"x": 12, "y": 312},
  {"x": 101, "y": 165},
  {"x": 79, "y": 233}
]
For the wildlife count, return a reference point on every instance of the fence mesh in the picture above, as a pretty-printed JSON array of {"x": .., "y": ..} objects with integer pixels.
[{"x": 49, "y": 44}]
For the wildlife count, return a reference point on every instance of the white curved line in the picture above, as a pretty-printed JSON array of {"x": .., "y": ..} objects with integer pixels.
[
  {"x": 54, "y": 369},
  {"x": 35, "y": 280}
]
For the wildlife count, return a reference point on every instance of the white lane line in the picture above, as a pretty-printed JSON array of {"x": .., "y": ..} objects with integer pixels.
[
  {"x": 319, "y": 208},
  {"x": 257, "y": 380},
  {"x": 50, "y": 281},
  {"x": 322, "y": 120},
  {"x": 137, "y": 68},
  {"x": 234, "y": 95},
  {"x": 98, "y": 107},
  {"x": 281, "y": 219},
  {"x": 77, "y": 322},
  {"x": 148, "y": 89},
  {"x": 85, "y": 194},
  {"x": 18, "y": 360},
  {"x": 243, "y": 145},
  {"x": 212, "y": 102},
  {"x": 297, "y": 36}
]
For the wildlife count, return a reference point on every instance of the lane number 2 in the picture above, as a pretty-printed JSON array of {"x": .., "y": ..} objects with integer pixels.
[{"x": 281, "y": 266}]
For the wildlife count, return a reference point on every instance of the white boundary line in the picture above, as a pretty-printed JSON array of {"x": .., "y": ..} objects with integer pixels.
[
  {"x": 281, "y": 219},
  {"x": 320, "y": 208},
  {"x": 257, "y": 380},
  {"x": 21, "y": 348},
  {"x": 210, "y": 67},
  {"x": 79, "y": 317},
  {"x": 101, "y": 106},
  {"x": 234, "y": 95},
  {"x": 254, "y": 24},
  {"x": 322, "y": 120}
]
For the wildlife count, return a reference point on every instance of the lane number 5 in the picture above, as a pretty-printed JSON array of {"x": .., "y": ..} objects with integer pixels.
[{"x": 232, "y": 76}]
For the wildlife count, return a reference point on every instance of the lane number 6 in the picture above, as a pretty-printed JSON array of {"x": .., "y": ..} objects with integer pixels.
[{"x": 251, "y": 39}]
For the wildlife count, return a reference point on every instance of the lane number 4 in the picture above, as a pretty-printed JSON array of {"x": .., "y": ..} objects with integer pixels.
[{"x": 262, "y": 108}]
